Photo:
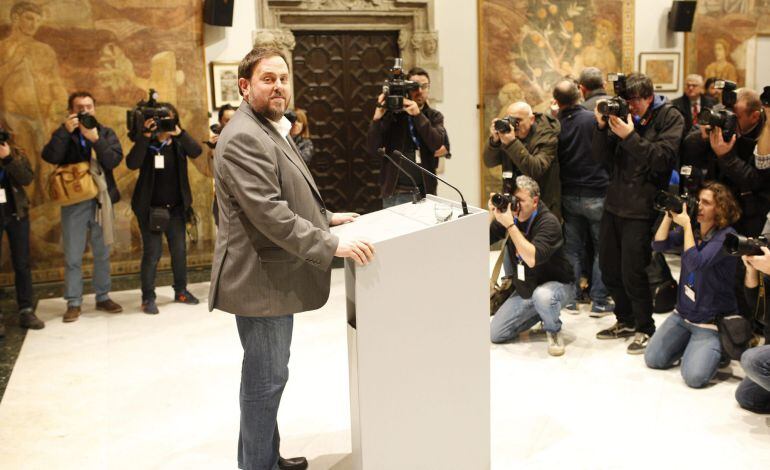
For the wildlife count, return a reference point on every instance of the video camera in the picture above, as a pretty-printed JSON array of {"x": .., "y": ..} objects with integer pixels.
[
  {"x": 667, "y": 202},
  {"x": 5, "y": 136},
  {"x": 397, "y": 87},
  {"x": 617, "y": 105},
  {"x": 164, "y": 118},
  {"x": 738, "y": 245},
  {"x": 506, "y": 124}
]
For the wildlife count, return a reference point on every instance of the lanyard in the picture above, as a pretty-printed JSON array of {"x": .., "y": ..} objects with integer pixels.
[
  {"x": 699, "y": 245},
  {"x": 157, "y": 150},
  {"x": 526, "y": 234},
  {"x": 413, "y": 134}
]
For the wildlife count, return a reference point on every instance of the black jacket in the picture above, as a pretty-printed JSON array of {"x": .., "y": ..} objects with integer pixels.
[
  {"x": 593, "y": 97},
  {"x": 737, "y": 171},
  {"x": 184, "y": 146},
  {"x": 580, "y": 174},
  {"x": 551, "y": 263},
  {"x": 682, "y": 104},
  {"x": 392, "y": 133},
  {"x": 65, "y": 148},
  {"x": 19, "y": 173},
  {"x": 641, "y": 164}
]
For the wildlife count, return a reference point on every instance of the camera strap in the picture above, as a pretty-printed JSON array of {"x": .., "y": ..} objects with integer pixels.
[
  {"x": 415, "y": 141},
  {"x": 159, "y": 163},
  {"x": 526, "y": 234}
]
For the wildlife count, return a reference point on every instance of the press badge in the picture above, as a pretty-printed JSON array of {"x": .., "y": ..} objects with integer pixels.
[
  {"x": 417, "y": 157},
  {"x": 3, "y": 196},
  {"x": 520, "y": 270},
  {"x": 159, "y": 162},
  {"x": 689, "y": 292}
]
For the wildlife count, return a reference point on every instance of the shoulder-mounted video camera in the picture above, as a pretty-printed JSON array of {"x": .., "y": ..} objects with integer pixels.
[
  {"x": 162, "y": 116},
  {"x": 397, "y": 87},
  {"x": 617, "y": 105}
]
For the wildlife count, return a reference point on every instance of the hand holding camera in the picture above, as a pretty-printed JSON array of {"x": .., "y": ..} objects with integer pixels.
[
  {"x": 411, "y": 107},
  {"x": 621, "y": 128},
  {"x": 504, "y": 130},
  {"x": 718, "y": 144},
  {"x": 71, "y": 123},
  {"x": 379, "y": 110},
  {"x": 149, "y": 127}
]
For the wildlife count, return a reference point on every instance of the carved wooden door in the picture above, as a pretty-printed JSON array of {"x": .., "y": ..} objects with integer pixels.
[{"x": 337, "y": 77}]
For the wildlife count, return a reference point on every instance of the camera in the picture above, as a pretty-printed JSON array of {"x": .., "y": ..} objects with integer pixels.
[
  {"x": 88, "y": 121},
  {"x": 668, "y": 202},
  {"x": 502, "y": 200},
  {"x": 719, "y": 117},
  {"x": 396, "y": 88},
  {"x": 729, "y": 97},
  {"x": 150, "y": 109},
  {"x": 765, "y": 96},
  {"x": 617, "y": 105},
  {"x": 738, "y": 245},
  {"x": 5, "y": 136},
  {"x": 507, "y": 123}
]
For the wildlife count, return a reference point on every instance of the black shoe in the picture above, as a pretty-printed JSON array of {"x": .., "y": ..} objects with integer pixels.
[
  {"x": 639, "y": 344},
  {"x": 294, "y": 463},
  {"x": 28, "y": 319},
  {"x": 150, "y": 307},
  {"x": 618, "y": 330},
  {"x": 185, "y": 297}
]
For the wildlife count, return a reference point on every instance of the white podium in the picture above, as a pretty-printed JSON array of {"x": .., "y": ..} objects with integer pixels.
[{"x": 418, "y": 340}]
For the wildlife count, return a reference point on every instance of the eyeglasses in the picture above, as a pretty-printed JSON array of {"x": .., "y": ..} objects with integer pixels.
[{"x": 424, "y": 86}]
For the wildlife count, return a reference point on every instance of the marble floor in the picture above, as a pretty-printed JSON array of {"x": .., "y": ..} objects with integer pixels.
[{"x": 133, "y": 391}]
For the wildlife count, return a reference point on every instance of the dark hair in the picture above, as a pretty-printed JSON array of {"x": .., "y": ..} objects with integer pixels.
[
  {"x": 76, "y": 95},
  {"x": 726, "y": 207},
  {"x": 22, "y": 7},
  {"x": 639, "y": 85},
  {"x": 566, "y": 93},
  {"x": 591, "y": 78},
  {"x": 418, "y": 71},
  {"x": 225, "y": 107},
  {"x": 709, "y": 81},
  {"x": 254, "y": 57}
]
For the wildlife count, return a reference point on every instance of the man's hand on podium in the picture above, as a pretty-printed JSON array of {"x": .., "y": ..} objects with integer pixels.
[
  {"x": 340, "y": 218},
  {"x": 360, "y": 251}
]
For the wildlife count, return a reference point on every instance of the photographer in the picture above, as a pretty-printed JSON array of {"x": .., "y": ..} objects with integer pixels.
[
  {"x": 417, "y": 131},
  {"x": 15, "y": 173},
  {"x": 78, "y": 139},
  {"x": 690, "y": 333},
  {"x": 583, "y": 187},
  {"x": 162, "y": 200},
  {"x": 225, "y": 114},
  {"x": 591, "y": 84},
  {"x": 526, "y": 143},
  {"x": 753, "y": 393},
  {"x": 543, "y": 278},
  {"x": 639, "y": 150}
]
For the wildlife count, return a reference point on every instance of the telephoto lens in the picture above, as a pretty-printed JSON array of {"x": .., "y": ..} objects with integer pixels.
[
  {"x": 501, "y": 201},
  {"x": 738, "y": 245}
]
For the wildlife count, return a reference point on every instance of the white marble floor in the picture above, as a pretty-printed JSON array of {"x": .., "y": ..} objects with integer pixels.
[{"x": 133, "y": 391}]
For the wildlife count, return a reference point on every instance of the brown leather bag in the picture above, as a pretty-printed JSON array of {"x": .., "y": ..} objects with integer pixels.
[
  {"x": 499, "y": 292},
  {"x": 72, "y": 183}
]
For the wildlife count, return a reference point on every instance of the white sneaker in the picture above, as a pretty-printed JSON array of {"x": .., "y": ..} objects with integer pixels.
[{"x": 555, "y": 343}]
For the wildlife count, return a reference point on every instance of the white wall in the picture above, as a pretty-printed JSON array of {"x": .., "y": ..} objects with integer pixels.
[{"x": 652, "y": 35}]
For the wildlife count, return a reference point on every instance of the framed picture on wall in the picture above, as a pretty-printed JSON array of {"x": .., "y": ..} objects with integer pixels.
[
  {"x": 224, "y": 84},
  {"x": 662, "y": 68}
]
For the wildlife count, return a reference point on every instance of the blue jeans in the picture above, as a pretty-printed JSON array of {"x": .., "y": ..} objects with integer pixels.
[
  {"x": 396, "y": 199},
  {"x": 264, "y": 373},
  {"x": 753, "y": 393},
  {"x": 697, "y": 347},
  {"x": 583, "y": 216},
  {"x": 517, "y": 315},
  {"x": 77, "y": 221}
]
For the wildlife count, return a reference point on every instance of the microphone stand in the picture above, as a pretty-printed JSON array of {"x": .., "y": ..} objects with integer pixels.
[
  {"x": 416, "y": 196},
  {"x": 462, "y": 199}
]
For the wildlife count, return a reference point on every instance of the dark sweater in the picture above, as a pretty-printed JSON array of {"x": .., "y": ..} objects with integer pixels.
[
  {"x": 16, "y": 173},
  {"x": 551, "y": 263},
  {"x": 580, "y": 174},
  {"x": 711, "y": 272}
]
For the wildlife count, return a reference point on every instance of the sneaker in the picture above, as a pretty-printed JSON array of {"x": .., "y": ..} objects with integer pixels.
[
  {"x": 28, "y": 319},
  {"x": 555, "y": 343},
  {"x": 149, "y": 307},
  {"x": 572, "y": 308},
  {"x": 109, "y": 306},
  {"x": 639, "y": 344},
  {"x": 185, "y": 297},
  {"x": 601, "y": 309},
  {"x": 618, "y": 330},
  {"x": 72, "y": 314}
]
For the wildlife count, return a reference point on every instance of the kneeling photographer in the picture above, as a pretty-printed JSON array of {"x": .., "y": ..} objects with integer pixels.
[
  {"x": 690, "y": 333},
  {"x": 543, "y": 277},
  {"x": 162, "y": 198}
]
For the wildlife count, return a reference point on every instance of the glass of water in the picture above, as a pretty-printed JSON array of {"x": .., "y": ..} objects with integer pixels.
[{"x": 442, "y": 212}]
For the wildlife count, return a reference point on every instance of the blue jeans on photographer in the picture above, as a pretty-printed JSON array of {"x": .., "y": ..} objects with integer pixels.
[
  {"x": 582, "y": 218},
  {"x": 78, "y": 221},
  {"x": 517, "y": 315},
  {"x": 753, "y": 393},
  {"x": 698, "y": 348}
]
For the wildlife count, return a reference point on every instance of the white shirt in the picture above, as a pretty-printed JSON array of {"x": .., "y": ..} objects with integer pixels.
[{"x": 283, "y": 127}]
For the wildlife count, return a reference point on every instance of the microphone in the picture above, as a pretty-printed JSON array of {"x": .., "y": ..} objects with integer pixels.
[
  {"x": 416, "y": 196},
  {"x": 462, "y": 199}
]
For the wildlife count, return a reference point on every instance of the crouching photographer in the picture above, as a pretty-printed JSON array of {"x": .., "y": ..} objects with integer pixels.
[
  {"x": 690, "y": 333},
  {"x": 543, "y": 278},
  {"x": 162, "y": 200}
]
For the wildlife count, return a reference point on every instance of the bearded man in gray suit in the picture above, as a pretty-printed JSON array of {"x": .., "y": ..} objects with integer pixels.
[{"x": 274, "y": 250}]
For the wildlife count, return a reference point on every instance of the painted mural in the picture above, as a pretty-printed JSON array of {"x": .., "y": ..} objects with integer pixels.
[{"x": 117, "y": 50}]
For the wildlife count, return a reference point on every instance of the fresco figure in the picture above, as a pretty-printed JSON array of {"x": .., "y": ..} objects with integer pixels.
[{"x": 721, "y": 68}]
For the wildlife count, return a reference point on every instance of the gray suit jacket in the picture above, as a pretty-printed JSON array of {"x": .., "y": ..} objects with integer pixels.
[{"x": 274, "y": 250}]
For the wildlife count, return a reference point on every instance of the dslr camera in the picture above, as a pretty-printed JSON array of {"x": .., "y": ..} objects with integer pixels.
[
  {"x": 738, "y": 245},
  {"x": 397, "y": 87},
  {"x": 5, "y": 136},
  {"x": 720, "y": 117},
  {"x": 506, "y": 124},
  {"x": 668, "y": 202},
  {"x": 765, "y": 96},
  {"x": 729, "y": 96},
  {"x": 88, "y": 121},
  {"x": 502, "y": 200},
  {"x": 150, "y": 109},
  {"x": 617, "y": 105}
]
